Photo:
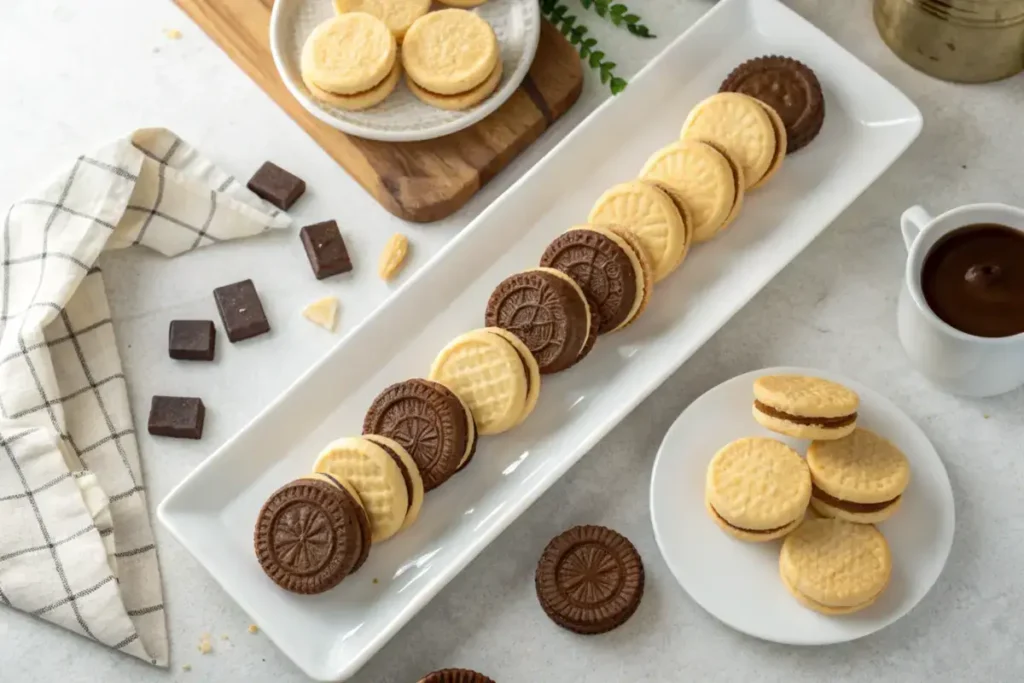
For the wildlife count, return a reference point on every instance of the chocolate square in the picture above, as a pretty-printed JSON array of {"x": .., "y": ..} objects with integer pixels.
[
  {"x": 241, "y": 310},
  {"x": 276, "y": 185},
  {"x": 192, "y": 339},
  {"x": 177, "y": 416},
  {"x": 325, "y": 248}
]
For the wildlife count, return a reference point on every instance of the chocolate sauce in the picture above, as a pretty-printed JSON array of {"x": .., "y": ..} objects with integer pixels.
[{"x": 973, "y": 279}]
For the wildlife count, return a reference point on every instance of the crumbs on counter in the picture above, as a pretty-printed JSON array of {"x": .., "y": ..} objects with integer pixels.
[
  {"x": 186, "y": 667},
  {"x": 172, "y": 33},
  {"x": 253, "y": 628}
]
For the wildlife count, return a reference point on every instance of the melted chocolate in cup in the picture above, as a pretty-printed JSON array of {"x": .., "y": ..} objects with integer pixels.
[{"x": 973, "y": 280}]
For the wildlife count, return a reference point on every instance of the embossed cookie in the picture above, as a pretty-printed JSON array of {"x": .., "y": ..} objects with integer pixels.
[
  {"x": 449, "y": 52},
  {"x": 348, "y": 54},
  {"x": 491, "y": 376},
  {"x": 740, "y": 127},
  {"x": 307, "y": 536},
  {"x": 610, "y": 271},
  {"x": 362, "y": 517},
  {"x": 757, "y": 489},
  {"x": 455, "y": 676},
  {"x": 376, "y": 477},
  {"x": 547, "y": 311},
  {"x": 860, "y": 478},
  {"x": 805, "y": 407},
  {"x": 429, "y": 422},
  {"x": 702, "y": 179},
  {"x": 589, "y": 580},
  {"x": 780, "y": 146},
  {"x": 460, "y": 101},
  {"x": 397, "y": 15},
  {"x": 787, "y": 86},
  {"x": 410, "y": 474},
  {"x": 835, "y": 567},
  {"x": 649, "y": 213}
]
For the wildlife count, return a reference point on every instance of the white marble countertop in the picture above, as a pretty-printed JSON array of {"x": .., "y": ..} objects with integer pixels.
[{"x": 76, "y": 74}]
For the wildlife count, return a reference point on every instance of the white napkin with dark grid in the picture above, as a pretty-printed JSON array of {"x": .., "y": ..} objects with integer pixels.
[{"x": 76, "y": 545}]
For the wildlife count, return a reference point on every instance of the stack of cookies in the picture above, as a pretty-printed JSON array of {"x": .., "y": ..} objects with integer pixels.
[
  {"x": 451, "y": 59},
  {"x": 759, "y": 489},
  {"x": 351, "y": 61}
]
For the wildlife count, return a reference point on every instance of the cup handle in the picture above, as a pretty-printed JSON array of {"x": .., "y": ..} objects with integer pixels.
[{"x": 912, "y": 222}]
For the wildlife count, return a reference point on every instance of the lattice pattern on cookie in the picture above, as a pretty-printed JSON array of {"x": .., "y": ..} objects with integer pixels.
[
  {"x": 807, "y": 396},
  {"x": 861, "y": 468},
  {"x": 836, "y": 563},
  {"x": 648, "y": 213},
  {"x": 758, "y": 483}
]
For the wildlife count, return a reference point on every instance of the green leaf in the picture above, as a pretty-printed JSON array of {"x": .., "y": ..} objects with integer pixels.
[
  {"x": 608, "y": 66},
  {"x": 617, "y": 85},
  {"x": 559, "y": 12},
  {"x": 619, "y": 10},
  {"x": 617, "y": 21},
  {"x": 631, "y": 18},
  {"x": 640, "y": 30},
  {"x": 595, "y": 59},
  {"x": 590, "y": 43},
  {"x": 605, "y": 76},
  {"x": 584, "y": 51},
  {"x": 586, "y": 3}
]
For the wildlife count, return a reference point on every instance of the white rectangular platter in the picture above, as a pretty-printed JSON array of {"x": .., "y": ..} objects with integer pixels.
[{"x": 868, "y": 125}]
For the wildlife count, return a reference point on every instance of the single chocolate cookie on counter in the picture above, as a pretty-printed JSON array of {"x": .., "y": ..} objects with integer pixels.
[
  {"x": 787, "y": 86},
  {"x": 590, "y": 579},
  {"x": 308, "y": 536},
  {"x": 455, "y": 676}
]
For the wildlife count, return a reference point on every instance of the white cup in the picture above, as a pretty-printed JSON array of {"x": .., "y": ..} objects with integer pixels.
[{"x": 957, "y": 362}]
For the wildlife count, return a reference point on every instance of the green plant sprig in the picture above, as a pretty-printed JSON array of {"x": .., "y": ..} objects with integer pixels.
[
  {"x": 619, "y": 15},
  {"x": 557, "y": 14}
]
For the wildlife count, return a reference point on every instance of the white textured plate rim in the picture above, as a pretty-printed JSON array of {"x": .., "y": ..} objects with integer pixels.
[
  {"x": 949, "y": 509},
  {"x": 165, "y": 511},
  {"x": 472, "y": 116}
]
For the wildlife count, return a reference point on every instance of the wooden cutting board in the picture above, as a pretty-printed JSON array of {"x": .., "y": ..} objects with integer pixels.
[{"x": 418, "y": 181}]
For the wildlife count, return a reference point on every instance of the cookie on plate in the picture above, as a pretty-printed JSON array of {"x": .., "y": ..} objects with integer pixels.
[
  {"x": 410, "y": 473},
  {"x": 757, "y": 489},
  {"x": 493, "y": 376},
  {"x": 307, "y": 536},
  {"x": 787, "y": 86},
  {"x": 460, "y": 101},
  {"x": 455, "y": 676},
  {"x": 701, "y": 178},
  {"x": 430, "y": 422},
  {"x": 740, "y": 127},
  {"x": 589, "y": 579},
  {"x": 549, "y": 313},
  {"x": 609, "y": 266},
  {"x": 835, "y": 567},
  {"x": 362, "y": 517},
  {"x": 376, "y": 477},
  {"x": 649, "y": 214},
  {"x": 450, "y": 52},
  {"x": 397, "y": 15},
  {"x": 805, "y": 407},
  {"x": 350, "y": 61},
  {"x": 860, "y": 478}
]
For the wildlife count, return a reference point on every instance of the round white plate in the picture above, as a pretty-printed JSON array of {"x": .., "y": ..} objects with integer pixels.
[
  {"x": 402, "y": 117},
  {"x": 739, "y": 582}
]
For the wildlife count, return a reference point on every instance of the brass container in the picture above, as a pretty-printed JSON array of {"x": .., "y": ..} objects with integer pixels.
[{"x": 967, "y": 41}]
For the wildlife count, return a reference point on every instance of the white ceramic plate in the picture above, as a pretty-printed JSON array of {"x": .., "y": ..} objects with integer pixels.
[
  {"x": 739, "y": 582},
  {"x": 402, "y": 117},
  {"x": 868, "y": 125}
]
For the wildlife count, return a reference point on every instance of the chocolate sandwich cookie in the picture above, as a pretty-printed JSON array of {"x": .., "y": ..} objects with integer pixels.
[
  {"x": 590, "y": 579},
  {"x": 429, "y": 421},
  {"x": 455, "y": 676},
  {"x": 606, "y": 267},
  {"x": 787, "y": 86},
  {"x": 547, "y": 311},
  {"x": 308, "y": 537},
  {"x": 363, "y": 518}
]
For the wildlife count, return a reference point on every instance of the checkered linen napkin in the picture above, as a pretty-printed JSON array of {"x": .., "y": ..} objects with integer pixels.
[{"x": 76, "y": 545}]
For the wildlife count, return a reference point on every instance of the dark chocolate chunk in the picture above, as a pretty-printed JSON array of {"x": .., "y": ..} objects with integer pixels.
[
  {"x": 276, "y": 185},
  {"x": 325, "y": 249},
  {"x": 589, "y": 579},
  {"x": 241, "y": 310},
  {"x": 192, "y": 339},
  {"x": 177, "y": 416}
]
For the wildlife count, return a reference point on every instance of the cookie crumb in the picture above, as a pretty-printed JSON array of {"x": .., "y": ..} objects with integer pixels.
[
  {"x": 225, "y": 637},
  {"x": 205, "y": 648},
  {"x": 186, "y": 667},
  {"x": 253, "y": 628},
  {"x": 986, "y": 416},
  {"x": 172, "y": 33},
  {"x": 375, "y": 580}
]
